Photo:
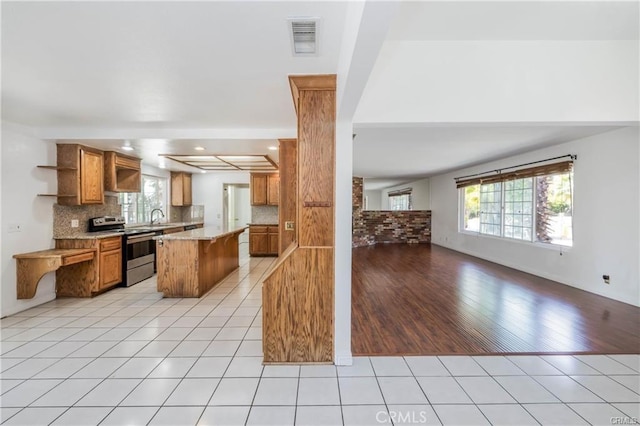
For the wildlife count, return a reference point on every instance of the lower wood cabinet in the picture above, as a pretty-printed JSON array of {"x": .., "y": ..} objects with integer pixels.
[
  {"x": 263, "y": 240},
  {"x": 110, "y": 262},
  {"x": 88, "y": 278}
]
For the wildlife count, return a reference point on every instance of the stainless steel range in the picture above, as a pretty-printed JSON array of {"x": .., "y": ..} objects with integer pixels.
[{"x": 138, "y": 248}]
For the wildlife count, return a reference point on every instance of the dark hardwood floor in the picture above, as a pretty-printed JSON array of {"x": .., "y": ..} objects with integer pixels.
[{"x": 424, "y": 299}]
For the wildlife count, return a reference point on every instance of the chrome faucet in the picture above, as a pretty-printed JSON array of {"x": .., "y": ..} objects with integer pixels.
[{"x": 153, "y": 211}]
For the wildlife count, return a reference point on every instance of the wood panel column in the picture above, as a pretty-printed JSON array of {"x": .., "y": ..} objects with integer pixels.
[
  {"x": 298, "y": 294},
  {"x": 288, "y": 203},
  {"x": 315, "y": 99}
]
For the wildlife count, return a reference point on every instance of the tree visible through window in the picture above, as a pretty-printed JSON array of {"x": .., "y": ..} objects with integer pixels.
[
  {"x": 529, "y": 209},
  {"x": 137, "y": 206}
]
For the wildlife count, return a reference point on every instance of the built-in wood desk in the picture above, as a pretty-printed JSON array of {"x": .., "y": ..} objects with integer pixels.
[
  {"x": 32, "y": 266},
  {"x": 190, "y": 263}
]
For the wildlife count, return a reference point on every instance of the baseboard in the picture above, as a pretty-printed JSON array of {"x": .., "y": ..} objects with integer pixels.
[
  {"x": 344, "y": 358},
  {"x": 538, "y": 273},
  {"x": 511, "y": 265}
]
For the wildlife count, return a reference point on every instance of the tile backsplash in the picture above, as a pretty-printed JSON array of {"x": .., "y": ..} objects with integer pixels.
[
  {"x": 186, "y": 214},
  {"x": 63, "y": 215},
  {"x": 264, "y": 214}
]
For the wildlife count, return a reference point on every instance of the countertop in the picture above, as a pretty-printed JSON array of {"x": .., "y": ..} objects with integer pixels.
[
  {"x": 262, "y": 224},
  {"x": 89, "y": 235},
  {"x": 164, "y": 225},
  {"x": 206, "y": 233},
  {"x": 108, "y": 234}
]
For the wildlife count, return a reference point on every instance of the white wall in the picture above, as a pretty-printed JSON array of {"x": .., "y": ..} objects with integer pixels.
[
  {"x": 420, "y": 195},
  {"x": 343, "y": 233},
  {"x": 21, "y": 181},
  {"x": 155, "y": 171},
  {"x": 374, "y": 199},
  {"x": 502, "y": 81},
  {"x": 606, "y": 218},
  {"x": 208, "y": 190}
]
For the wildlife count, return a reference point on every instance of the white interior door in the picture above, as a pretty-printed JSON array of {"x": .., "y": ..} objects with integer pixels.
[{"x": 242, "y": 209}]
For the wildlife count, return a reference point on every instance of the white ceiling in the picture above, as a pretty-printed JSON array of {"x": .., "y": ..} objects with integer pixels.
[
  {"x": 396, "y": 155},
  {"x": 170, "y": 76},
  {"x": 158, "y": 64},
  {"x": 516, "y": 20},
  {"x": 433, "y": 96}
]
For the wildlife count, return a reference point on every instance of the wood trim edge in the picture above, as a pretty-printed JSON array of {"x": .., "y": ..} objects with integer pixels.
[{"x": 310, "y": 82}]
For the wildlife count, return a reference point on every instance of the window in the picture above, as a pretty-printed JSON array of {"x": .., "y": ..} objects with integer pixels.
[
  {"x": 400, "y": 200},
  {"x": 490, "y": 206},
  {"x": 554, "y": 210},
  {"x": 518, "y": 209},
  {"x": 534, "y": 208},
  {"x": 137, "y": 206}
]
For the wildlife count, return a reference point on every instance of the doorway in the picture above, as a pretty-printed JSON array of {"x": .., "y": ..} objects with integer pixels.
[{"x": 237, "y": 207}]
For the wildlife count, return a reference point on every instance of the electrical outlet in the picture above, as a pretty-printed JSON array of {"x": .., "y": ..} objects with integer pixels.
[
  {"x": 288, "y": 225},
  {"x": 15, "y": 227},
  {"x": 606, "y": 279},
  {"x": 75, "y": 223}
]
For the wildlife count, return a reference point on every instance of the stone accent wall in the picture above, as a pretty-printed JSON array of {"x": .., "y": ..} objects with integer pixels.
[
  {"x": 357, "y": 193},
  {"x": 384, "y": 226}
]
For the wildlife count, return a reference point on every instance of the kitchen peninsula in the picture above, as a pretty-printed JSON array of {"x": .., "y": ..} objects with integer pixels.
[{"x": 190, "y": 263}]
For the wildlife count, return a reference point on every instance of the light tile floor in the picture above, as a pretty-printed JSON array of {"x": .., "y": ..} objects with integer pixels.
[{"x": 130, "y": 357}]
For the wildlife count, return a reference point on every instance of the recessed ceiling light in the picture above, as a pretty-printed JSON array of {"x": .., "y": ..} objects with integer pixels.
[
  {"x": 203, "y": 171},
  {"x": 199, "y": 148},
  {"x": 127, "y": 148},
  {"x": 273, "y": 148}
]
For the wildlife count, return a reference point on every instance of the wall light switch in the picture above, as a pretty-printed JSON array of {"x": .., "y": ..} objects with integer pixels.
[
  {"x": 74, "y": 223},
  {"x": 288, "y": 225}
]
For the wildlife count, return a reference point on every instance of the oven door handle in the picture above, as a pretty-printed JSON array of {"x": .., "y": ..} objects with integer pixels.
[{"x": 140, "y": 238}]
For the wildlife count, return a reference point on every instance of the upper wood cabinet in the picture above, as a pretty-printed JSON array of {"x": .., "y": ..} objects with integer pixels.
[
  {"x": 273, "y": 189},
  {"x": 181, "y": 189},
  {"x": 121, "y": 172},
  {"x": 265, "y": 189},
  {"x": 258, "y": 189},
  {"x": 80, "y": 175}
]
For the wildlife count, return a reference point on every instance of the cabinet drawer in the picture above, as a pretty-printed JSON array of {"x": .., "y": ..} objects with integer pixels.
[
  {"x": 70, "y": 260},
  {"x": 258, "y": 229},
  {"x": 111, "y": 244},
  {"x": 272, "y": 229}
]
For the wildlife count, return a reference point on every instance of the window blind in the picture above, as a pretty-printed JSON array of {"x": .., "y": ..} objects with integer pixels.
[
  {"x": 405, "y": 191},
  {"x": 500, "y": 176}
]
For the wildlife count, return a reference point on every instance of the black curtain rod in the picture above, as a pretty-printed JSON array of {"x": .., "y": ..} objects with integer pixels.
[{"x": 572, "y": 156}]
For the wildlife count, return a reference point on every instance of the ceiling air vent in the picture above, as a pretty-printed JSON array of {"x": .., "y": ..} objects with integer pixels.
[{"x": 304, "y": 36}]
